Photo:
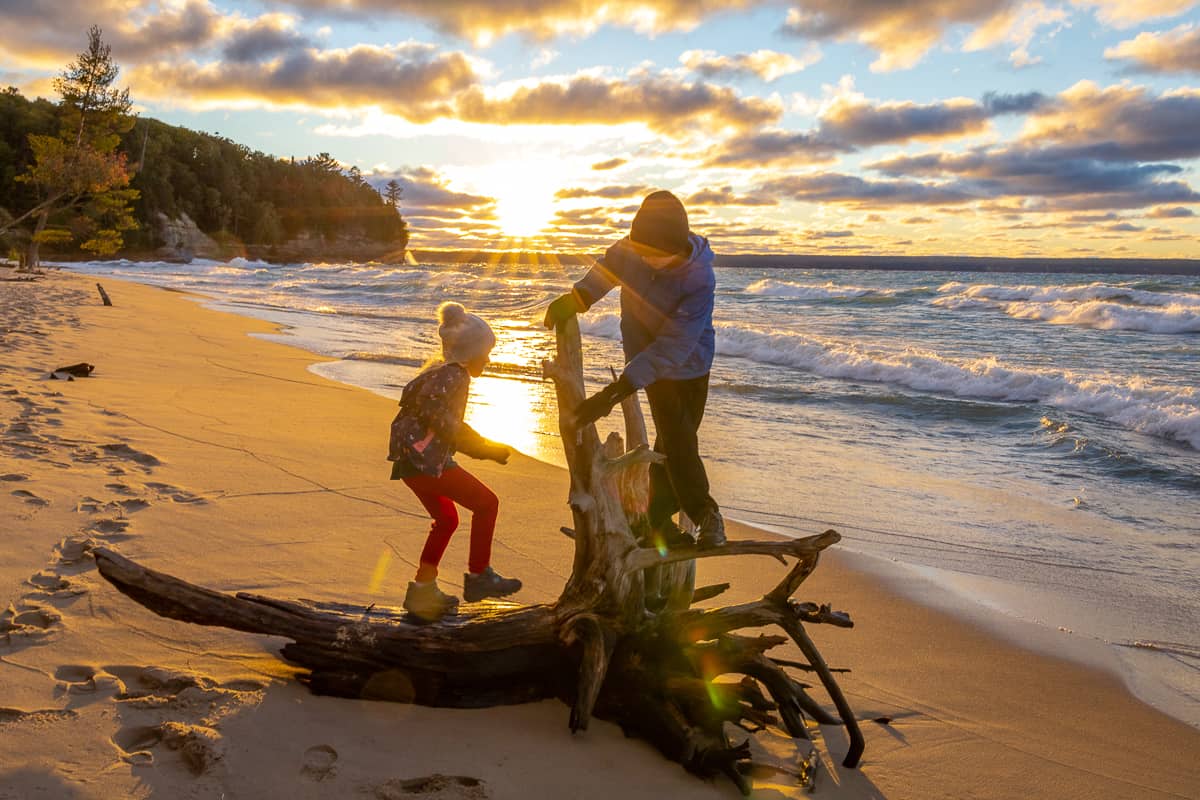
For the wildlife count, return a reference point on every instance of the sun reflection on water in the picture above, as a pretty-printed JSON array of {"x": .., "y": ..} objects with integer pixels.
[{"x": 514, "y": 412}]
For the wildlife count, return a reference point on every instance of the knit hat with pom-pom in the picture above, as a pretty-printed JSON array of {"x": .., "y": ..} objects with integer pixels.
[{"x": 464, "y": 336}]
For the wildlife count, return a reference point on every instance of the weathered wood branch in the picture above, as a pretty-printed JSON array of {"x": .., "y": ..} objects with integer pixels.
[{"x": 809, "y": 545}]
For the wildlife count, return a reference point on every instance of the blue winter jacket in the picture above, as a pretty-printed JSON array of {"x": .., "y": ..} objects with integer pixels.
[{"x": 666, "y": 314}]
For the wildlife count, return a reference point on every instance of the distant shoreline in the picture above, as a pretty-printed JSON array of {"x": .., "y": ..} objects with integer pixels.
[{"x": 1094, "y": 266}]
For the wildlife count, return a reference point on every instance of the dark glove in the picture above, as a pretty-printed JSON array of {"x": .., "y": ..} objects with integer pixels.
[
  {"x": 563, "y": 309},
  {"x": 602, "y": 402},
  {"x": 499, "y": 453}
]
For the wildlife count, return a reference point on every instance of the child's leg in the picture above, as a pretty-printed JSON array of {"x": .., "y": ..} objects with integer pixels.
[
  {"x": 445, "y": 521},
  {"x": 469, "y": 492}
]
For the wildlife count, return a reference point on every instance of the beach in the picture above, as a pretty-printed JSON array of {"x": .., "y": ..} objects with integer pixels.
[{"x": 204, "y": 451}]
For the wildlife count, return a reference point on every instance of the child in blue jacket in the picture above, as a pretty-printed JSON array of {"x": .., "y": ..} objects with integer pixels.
[{"x": 667, "y": 291}]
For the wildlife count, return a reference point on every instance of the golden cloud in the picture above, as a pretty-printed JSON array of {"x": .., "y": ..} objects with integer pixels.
[
  {"x": 1121, "y": 122},
  {"x": 768, "y": 65},
  {"x": 411, "y": 81},
  {"x": 663, "y": 103},
  {"x": 900, "y": 32},
  {"x": 485, "y": 20},
  {"x": 1124, "y": 13},
  {"x": 1176, "y": 50}
]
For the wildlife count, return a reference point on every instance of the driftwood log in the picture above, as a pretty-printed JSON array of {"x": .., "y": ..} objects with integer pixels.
[{"x": 624, "y": 642}]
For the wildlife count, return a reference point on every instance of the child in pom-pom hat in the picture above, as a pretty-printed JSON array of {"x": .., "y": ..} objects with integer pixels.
[{"x": 425, "y": 435}]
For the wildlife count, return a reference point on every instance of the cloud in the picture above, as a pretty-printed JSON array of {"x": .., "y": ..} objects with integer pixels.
[
  {"x": 1119, "y": 123},
  {"x": 1046, "y": 179},
  {"x": 427, "y": 194},
  {"x": 999, "y": 103},
  {"x": 828, "y": 234},
  {"x": 1125, "y": 13},
  {"x": 607, "y": 192},
  {"x": 485, "y": 20},
  {"x": 900, "y": 32},
  {"x": 1176, "y": 50},
  {"x": 662, "y": 102},
  {"x": 768, "y": 65},
  {"x": 772, "y": 147},
  {"x": 854, "y": 124},
  {"x": 1171, "y": 212},
  {"x": 851, "y": 189},
  {"x": 1090, "y": 148},
  {"x": 611, "y": 163},
  {"x": 849, "y": 122},
  {"x": 53, "y": 31},
  {"x": 725, "y": 196},
  {"x": 263, "y": 38},
  {"x": 1017, "y": 26},
  {"x": 410, "y": 80}
]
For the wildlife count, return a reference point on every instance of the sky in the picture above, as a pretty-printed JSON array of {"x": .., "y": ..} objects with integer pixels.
[{"x": 948, "y": 127}]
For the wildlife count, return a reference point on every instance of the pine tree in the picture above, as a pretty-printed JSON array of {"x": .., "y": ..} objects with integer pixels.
[
  {"x": 392, "y": 192},
  {"x": 79, "y": 171}
]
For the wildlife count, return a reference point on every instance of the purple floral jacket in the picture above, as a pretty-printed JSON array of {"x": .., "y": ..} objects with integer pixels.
[{"x": 429, "y": 427}]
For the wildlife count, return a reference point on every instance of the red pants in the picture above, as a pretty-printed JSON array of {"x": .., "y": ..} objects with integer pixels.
[{"x": 439, "y": 495}]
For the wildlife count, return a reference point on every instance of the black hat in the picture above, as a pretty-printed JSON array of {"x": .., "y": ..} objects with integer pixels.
[{"x": 661, "y": 223}]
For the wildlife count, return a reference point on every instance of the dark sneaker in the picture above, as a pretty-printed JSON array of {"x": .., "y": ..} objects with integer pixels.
[
  {"x": 711, "y": 532},
  {"x": 669, "y": 536},
  {"x": 427, "y": 602},
  {"x": 488, "y": 583}
]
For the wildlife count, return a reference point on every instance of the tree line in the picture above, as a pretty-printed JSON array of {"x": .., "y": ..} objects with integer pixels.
[{"x": 83, "y": 174}]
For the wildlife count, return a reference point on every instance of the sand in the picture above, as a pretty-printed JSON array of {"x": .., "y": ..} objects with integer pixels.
[{"x": 204, "y": 452}]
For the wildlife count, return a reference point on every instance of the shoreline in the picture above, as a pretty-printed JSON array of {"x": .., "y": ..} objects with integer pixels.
[{"x": 237, "y": 484}]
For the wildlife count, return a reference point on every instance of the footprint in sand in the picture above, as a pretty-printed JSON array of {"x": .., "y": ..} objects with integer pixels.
[
  {"x": 75, "y": 550},
  {"x": 52, "y": 586},
  {"x": 174, "y": 493},
  {"x": 13, "y": 477},
  {"x": 125, "y": 452},
  {"x": 27, "y": 624},
  {"x": 110, "y": 529},
  {"x": 198, "y": 703},
  {"x": 30, "y": 498},
  {"x": 433, "y": 787},
  {"x": 199, "y": 746},
  {"x": 86, "y": 683},
  {"x": 319, "y": 762},
  {"x": 9, "y": 715}
]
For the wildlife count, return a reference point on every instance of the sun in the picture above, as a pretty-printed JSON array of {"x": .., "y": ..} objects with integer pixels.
[{"x": 524, "y": 198}]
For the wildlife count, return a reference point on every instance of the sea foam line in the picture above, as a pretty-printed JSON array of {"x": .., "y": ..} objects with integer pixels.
[
  {"x": 769, "y": 287},
  {"x": 1095, "y": 305},
  {"x": 1073, "y": 293}
]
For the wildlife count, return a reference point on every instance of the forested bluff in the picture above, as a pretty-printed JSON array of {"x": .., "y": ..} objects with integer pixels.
[{"x": 202, "y": 195}]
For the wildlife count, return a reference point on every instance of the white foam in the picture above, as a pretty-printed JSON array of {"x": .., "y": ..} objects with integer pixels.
[
  {"x": 1133, "y": 403},
  {"x": 1075, "y": 293},
  {"x": 1094, "y": 305},
  {"x": 768, "y": 287},
  {"x": 1175, "y": 318},
  {"x": 607, "y": 326}
]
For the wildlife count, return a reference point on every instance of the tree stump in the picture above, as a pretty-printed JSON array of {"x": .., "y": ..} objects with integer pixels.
[{"x": 647, "y": 660}]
